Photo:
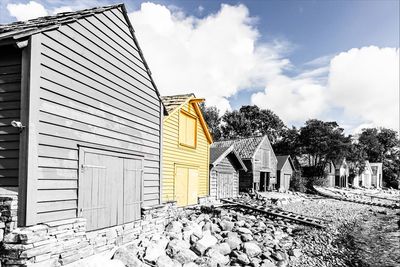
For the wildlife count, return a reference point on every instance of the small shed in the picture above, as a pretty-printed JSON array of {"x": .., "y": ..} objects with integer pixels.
[
  {"x": 365, "y": 178},
  {"x": 285, "y": 169},
  {"x": 80, "y": 135},
  {"x": 260, "y": 161},
  {"x": 225, "y": 164},
  {"x": 186, "y": 148}
]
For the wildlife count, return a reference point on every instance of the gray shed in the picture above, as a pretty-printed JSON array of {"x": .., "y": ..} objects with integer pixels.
[
  {"x": 260, "y": 161},
  {"x": 225, "y": 164},
  {"x": 80, "y": 119},
  {"x": 285, "y": 169}
]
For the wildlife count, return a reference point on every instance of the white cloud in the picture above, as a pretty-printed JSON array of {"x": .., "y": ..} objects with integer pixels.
[
  {"x": 365, "y": 82},
  {"x": 62, "y": 9},
  {"x": 213, "y": 57},
  {"x": 27, "y": 11}
]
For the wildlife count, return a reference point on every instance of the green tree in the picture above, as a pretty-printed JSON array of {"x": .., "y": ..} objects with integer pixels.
[{"x": 211, "y": 116}]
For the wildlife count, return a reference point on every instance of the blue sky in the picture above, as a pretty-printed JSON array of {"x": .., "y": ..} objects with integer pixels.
[{"x": 315, "y": 49}]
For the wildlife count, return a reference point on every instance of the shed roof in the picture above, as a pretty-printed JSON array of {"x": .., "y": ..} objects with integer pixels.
[
  {"x": 174, "y": 101},
  {"x": 282, "y": 160},
  {"x": 22, "y": 29},
  {"x": 246, "y": 147},
  {"x": 218, "y": 153}
]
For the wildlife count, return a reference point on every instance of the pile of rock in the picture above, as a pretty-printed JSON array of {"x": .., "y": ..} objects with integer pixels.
[{"x": 217, "y": 239}]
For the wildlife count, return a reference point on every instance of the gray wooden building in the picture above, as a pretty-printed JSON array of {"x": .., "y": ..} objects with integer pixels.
[
  {"x": 285, "y": 169},
  {"x": 80, "y": 119},
  {"x": 260, "y": 161},
  {"x": 225, "y": 164}
]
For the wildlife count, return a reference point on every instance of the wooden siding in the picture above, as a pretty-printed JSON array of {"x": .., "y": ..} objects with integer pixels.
[
  {"x": 10, "y": 97},
  {"x": 264, "y": 163},
  {"x": 94, "y": 91},
  {"x": 225, "y": 166},
  {"x": 282, "y": 175},
  {"x": 174, "y": 154}
]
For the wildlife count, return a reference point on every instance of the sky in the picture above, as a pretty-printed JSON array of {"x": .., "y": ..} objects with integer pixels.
[{"x": 329, "y": 60}]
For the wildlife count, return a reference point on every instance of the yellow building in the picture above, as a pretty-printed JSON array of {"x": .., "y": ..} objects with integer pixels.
[{"x": 186, "y": 145}]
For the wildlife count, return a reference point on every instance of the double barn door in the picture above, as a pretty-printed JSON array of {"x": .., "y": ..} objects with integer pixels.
[
  {"x": 186, "y": 185},
  {"x": 110, "y": 188}
]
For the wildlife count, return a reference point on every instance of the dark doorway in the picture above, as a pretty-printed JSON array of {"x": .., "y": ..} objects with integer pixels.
[{"x": 264, "y": 181}]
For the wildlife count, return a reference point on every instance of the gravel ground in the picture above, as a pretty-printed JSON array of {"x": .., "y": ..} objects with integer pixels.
[{"x": 358, "y": 235}]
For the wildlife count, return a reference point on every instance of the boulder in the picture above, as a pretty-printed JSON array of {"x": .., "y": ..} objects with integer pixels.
[
  {"x": 164, "y": 261},
  {"x": 246, "y": 237},
  {"x": 185, "y": 256},
  {"x": 128, "y": 258},
  {"x": 176, "y": 245},
  {"x": 251, "y": 249},
  {"x": 174, "y": 227},
  {"x": 233, "y": 242},
  {"x": 216, "y": 256},
  {"x": 242, "y": 258},
  {"x": 154, "y": 251},
  {"x": 226, "y": 225},
  {"x": 223, "y": 248},
  {"x": 204, "y": 243},
  {"x": 242, "y": 230}
]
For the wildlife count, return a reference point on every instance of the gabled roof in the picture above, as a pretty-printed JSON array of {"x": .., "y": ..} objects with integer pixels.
[
  {"x": 218, "y": 153},
  {"x": 21, "y": 30},
  {"x": 173, "y": 103},
  {"x": 282, "y": 160},
  {"x": 246, "y": 147}
]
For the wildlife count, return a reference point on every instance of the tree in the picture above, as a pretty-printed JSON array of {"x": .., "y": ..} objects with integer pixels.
[
  {"x": 322, "y": 142},
  {"x": 211, "y": 116},
  {"x": 383, "y": 145},
  {"x": 355, "y": 158},
  {"x": 252, "y": 121},
  {"x": 288, "y": 143}
]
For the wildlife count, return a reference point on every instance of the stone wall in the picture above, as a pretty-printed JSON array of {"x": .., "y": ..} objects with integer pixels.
[{"x": 62, "y": 242}]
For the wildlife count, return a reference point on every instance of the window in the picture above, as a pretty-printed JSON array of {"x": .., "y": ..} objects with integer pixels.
[
  {"x": 187, "y": 129},
  {"x": 265, "y": 158}
]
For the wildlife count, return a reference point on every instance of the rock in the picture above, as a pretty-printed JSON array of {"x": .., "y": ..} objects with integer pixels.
[
  {"x": 174, "y": 227},
  {"x": 216, "y": 256},
  {"x": 164, "y": 261},
  {"x": 240, "y": 223},
  {"x": 252, "y": 249},
  {"x": 176, "y": 245},
  {"x": 255, "y": 262},
  {"x": 242, "y": 257},
  {"x": 127, "y": 257},
  {"x": 295, "y": 252},
  {"x": 204, "y": 243},
  {"x": 267, "y": 263},
  {"x": 185, "y": 256},
  {"x": 242, "y": 230},
  {"x": 190, "y": 264},
  {"x": 226, "y": 225},
  {"x": 223, "y": 248},
  {"x": 277, "y": 255},
  {"x": 233, "y": 242},
  {"x": 246, "y": 237},
  {"x": 153, "y": 252}
]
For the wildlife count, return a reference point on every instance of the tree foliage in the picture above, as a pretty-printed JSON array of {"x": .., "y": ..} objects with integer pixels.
[
  {"x": 211, "y": 116},
  {"x": 322, "y": 142},
  {"x": 251, "y": 121}
]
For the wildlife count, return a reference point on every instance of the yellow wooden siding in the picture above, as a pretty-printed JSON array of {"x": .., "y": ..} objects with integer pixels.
[{"x": 175, "y": 154}]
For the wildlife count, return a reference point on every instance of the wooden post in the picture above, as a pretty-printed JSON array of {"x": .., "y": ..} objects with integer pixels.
[{"x": 28, "y": 154}]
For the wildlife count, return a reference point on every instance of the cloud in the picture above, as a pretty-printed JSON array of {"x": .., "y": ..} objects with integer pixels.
[
  {"x": 365, "y": 82},
  {"x": 214, "y": 57},
  {"x": 27, "y": 11}
]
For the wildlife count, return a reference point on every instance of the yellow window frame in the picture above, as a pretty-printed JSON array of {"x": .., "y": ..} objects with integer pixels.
[{"x": 184, "y": 131}]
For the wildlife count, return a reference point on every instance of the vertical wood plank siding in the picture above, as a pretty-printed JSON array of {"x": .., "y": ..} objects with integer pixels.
[
  {"x": 174, "y": 154},
  {"x": 258, "y": 165},
  {"x": 225, "y": 166},
  {"x": 10, "y": 97},
  {"x": 94, "y": 91}
]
